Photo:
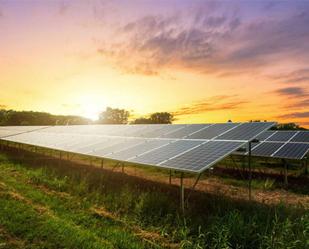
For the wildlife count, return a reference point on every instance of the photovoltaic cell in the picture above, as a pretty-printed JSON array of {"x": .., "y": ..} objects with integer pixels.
[
  {"x": 125, "y": 143},
  {"x": 266, "y": 149},
  {"x": 245, "y": 131},
  {"x": 166, "y": 152},
  {"x": 138, "y": 149},
  {"x": 203, "y": 156},
  {"x": 182, "y": 133},
  {"x": 302, "y": 136},
  {"x": 282, "y": 136},
  {"x": 212, "y": 131},
  {"x": 162, "y": 131},
  {"x": 263, "y": 136},
  {"x": 292, "y": 151}
]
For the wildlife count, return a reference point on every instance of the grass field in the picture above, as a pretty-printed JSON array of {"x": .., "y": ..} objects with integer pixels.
[{"x": 47, "y": 205}]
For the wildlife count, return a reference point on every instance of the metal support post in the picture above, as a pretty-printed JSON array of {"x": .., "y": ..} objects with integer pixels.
[
  {"x": 102, "y": 163},
  {"x": 60, "y": 158},
  {"x": 170, "y": 177},
  {"x": 122, "y": 167},
  {"x": 306, "y": 165},
  {"x": 285, "y": 172},
  {"x": 193, "y": 187},
  {"x": 182, "y": 195},
  {"x": 250, "y": 171}
]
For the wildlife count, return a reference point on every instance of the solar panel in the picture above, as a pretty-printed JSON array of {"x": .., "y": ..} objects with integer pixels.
[
  {"x": 123, "y": 144},
  {"x": 6, "y": 131},
  {"x": 138, "y": 149},
  {"x": 266, "y": 149},
  {"x": 162, "y": 131},
  {"x": 292, "y": 151},
  {"x": 245, "y": 131},
  {"x": 93, "y": 145},
  {"x": 267, "y": 134},
  {"x": 171, "y": 146},
  {"x": 203, "y": 156},
  {"x": 166, "y": 152},
  {"x": 301, "y": 136},
  {"x": 212, "y": 131},
  {"x": 282, "y": 136},
  {"x": 189, "y": 129}
]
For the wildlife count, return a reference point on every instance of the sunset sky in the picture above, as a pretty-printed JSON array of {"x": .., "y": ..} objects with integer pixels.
[{"x": 205, "y": 61}]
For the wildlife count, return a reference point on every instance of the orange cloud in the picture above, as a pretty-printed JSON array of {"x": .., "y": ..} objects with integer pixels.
[{"x": 215, "y": 103}]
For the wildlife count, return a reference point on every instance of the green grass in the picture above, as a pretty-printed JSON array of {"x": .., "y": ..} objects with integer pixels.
[{"x": 47, "y": 205}]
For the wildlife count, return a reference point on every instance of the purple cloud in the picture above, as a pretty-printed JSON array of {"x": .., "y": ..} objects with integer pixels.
[
  {"x": 215, "y": 103},
  {"x": 209, "y": 39},
  {"x": 292, "y": 91}
]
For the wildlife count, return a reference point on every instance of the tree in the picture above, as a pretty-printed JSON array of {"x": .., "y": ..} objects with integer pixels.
[
  {"x": 141, "y": 120},
  {"x": 114, "y": 116},
  {"x": 161, "y": 118},
  {"x": 11, "y": 117},
  {"x": 288, "y": 126}
]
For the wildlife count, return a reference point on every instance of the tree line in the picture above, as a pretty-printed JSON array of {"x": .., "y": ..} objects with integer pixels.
[{"x": 108, "y": 116}]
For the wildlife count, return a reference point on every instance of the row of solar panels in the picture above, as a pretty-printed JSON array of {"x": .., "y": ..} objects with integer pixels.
[
  {"x": 194, "y": 155},
  {"x": 220, "y": 131},
  {"x": 282, "y": 144}
]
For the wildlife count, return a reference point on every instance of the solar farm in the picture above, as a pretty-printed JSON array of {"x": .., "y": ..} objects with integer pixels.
[{"x": 182, "y": 153}]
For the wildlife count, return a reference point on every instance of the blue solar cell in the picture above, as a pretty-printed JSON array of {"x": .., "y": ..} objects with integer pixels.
[
  {"x": 266, "y": 149},
  {"x": 292, "y": 151},
  {"x": 282, "y": 136},
  {"x": 212, "y": 131},
  {"x": 203, "y": 156},
  {"x": 246, "y": 131},
  {"x": 302, "y": 136}
]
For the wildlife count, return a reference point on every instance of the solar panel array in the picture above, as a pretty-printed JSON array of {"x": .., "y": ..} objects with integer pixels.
[
  {"x": 282, "y": 144},
  {"x": 191, "y": 147}
]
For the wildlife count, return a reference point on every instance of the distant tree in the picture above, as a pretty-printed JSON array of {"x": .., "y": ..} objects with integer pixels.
[
  {"x": 161, "y": 118},
  {"x": 288, "y": 126},
  {"x": 114, "y": 116},
  {"x": 11, "y": 117},
  {"x": 141, "y": 121}
]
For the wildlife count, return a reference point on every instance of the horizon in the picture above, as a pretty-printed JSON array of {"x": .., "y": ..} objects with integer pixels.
[{"x": 207, "y": 61}]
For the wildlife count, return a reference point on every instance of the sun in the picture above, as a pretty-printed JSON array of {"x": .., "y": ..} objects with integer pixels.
[
  {"x": 90, "y": 107},
  {"x": 91, "y": 113}
]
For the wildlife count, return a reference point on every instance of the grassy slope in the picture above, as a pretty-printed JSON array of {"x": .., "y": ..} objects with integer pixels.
[{"x": 65, "y": 207}]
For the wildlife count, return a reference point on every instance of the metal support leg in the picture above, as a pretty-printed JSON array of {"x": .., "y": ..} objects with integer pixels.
[
  {"x": 285, "y": 172},
  {"x": 122, "y": 167},
  {"x": 250, "y": 172},
  {"x": 306, "y": 166},
  {"x": 60, "y": 158},
  {"x": 182, "y": 195},
  {"x": 193, "y": 187},
  {"x": 102, "y": 163},
  {"x": 170, "y": 177}
]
